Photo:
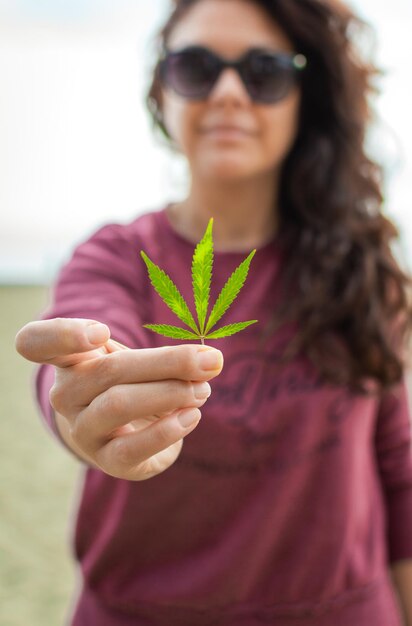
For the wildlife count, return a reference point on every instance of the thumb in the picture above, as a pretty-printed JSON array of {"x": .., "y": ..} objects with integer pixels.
[{"x": 60, "y": 341}]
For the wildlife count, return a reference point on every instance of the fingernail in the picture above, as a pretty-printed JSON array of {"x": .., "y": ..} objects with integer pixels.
[
  {"x": 188, "y": 417},
  {"x": 210, "y": 359},
  {"x": 97, "y": 334},
  {"x": 201, "y": 390}
]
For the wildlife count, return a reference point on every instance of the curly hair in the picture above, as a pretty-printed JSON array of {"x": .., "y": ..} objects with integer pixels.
[{"x": 342, "y": 286}]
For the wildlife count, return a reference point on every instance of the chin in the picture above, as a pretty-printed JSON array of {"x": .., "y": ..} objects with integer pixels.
[{"x": 228, "y": 168}]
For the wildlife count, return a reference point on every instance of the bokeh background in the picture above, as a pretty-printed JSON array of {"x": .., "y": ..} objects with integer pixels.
[{"x": 77, "y": 151}]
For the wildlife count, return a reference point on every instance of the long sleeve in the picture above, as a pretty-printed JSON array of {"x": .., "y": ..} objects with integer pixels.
[
  {"x": 104, "y": 281},
  {"x": 394, "y": 456}
]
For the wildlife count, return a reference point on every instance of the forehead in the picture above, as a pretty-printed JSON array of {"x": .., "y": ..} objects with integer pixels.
[{"x": 228, "y": 26}]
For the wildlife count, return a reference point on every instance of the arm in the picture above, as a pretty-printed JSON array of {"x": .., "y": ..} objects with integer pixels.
[{"x": 401, "y": 572}]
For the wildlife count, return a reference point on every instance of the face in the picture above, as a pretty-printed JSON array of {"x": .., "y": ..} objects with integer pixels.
[{"x": 265, "y": 132}]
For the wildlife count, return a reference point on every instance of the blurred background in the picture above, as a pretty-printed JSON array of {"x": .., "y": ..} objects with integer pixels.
[{"x": 77, "y": 151}]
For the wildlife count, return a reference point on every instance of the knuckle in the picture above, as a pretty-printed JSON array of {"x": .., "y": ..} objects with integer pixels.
[
  {"x": 66, "y": 331},
  {"x": 113, "y": 401},
  {"x": 68, "y": 334},
  {"x": 107, "y": 369},
  {"x": 57, "y": 398},
  {"x": 122, "y": 453},
  {"x": 165, "y": 433},
  {"x": 183, "y": 393},
  {"x": 174, "y": 393},
  {"x": 80, "y": 432},
  {"x": 186, "y": 360}
]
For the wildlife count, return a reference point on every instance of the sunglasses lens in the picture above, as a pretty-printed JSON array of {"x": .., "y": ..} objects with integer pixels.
[
  {"x": 268, "y": 78},
  {"x": 191, "y": 72}
]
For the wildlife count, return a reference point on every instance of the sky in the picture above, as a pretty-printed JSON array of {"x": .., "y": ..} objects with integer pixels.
[{"x": 76, "y": 146}]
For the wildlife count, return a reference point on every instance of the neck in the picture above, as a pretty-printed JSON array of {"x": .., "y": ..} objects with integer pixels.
[{"x": 245, "y": 212}]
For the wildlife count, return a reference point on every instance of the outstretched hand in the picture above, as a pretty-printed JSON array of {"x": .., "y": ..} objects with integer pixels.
[{"x": 124, "y": 411}]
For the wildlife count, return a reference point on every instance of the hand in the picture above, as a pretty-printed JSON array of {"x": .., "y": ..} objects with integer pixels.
[{"x": 124, "y": 411}]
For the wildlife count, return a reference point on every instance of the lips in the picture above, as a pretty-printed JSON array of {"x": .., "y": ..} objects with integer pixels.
[{"x": 226, "y": 130}]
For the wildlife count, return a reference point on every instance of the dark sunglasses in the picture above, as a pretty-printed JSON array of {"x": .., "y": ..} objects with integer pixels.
[{"x": 267, "y": 76}]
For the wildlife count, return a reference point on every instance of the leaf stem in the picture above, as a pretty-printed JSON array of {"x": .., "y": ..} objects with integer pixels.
[{"x": 202, "y": 339}]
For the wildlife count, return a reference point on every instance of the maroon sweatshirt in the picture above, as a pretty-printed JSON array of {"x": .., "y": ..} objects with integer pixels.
[{"x": 289, "y": 500}]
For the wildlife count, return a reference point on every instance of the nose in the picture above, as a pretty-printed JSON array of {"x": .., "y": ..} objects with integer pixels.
[{"x": 229, "y": 87}]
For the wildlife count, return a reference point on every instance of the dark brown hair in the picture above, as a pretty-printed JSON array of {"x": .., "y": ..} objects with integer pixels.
[{"x": 342, "y": 285}]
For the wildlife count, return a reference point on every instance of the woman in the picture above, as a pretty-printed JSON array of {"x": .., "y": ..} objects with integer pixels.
[{"x": 291, "y": 501}]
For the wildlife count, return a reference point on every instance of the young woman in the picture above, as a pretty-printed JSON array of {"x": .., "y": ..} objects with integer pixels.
[{"x": 290, "y": 502}]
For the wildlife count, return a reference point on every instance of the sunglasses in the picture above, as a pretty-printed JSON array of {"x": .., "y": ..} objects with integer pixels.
[{"x": 267, "y": 76}]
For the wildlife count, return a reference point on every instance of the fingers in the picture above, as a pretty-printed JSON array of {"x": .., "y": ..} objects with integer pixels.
[
  {"x": 125, "y": 404},
  {"x": 185, "y": 362},
  {"x": 141, "y": 454},
  {"x": 60, "y": 341},
  {"x": 78, "y": 386}
]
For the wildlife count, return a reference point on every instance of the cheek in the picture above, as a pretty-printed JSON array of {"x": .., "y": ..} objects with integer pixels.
[
  {"x": 180, "y": 119},
  {"x": 281, "y": 125}
]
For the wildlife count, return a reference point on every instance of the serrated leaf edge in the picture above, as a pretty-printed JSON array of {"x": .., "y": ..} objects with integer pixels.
[
  {"x": 187, "y": 318},
  {"x": 230, "y": 329},
  {"x": 174, "y": 331},
  {"x": 223, "y": 301}
]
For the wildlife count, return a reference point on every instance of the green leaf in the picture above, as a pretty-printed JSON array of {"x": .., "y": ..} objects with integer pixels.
[
  {"x": 169, "y": 293},
  {"x": 231, "y": 329},
  {"x": 202, "y": 275},
  {"x": 171, "y": 331},
  {"x": 202, "y": 264},
  {"x": 229, "y": 292}
]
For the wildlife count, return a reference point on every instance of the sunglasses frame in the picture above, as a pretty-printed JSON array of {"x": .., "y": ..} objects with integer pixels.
[{"x": 295, "y": 63}]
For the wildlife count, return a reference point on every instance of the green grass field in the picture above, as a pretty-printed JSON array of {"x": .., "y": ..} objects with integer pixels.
[{"x": 38, "y": 486}]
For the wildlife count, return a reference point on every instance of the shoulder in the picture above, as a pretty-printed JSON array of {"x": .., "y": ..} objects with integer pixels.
[
  {"x": 113, "y": 250},
  {"x": 144, "y": 228},
  {"x": 114, "y": 242}
]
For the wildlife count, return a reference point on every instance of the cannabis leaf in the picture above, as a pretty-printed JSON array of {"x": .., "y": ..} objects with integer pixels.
[{"x": 202, "y": 264}]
